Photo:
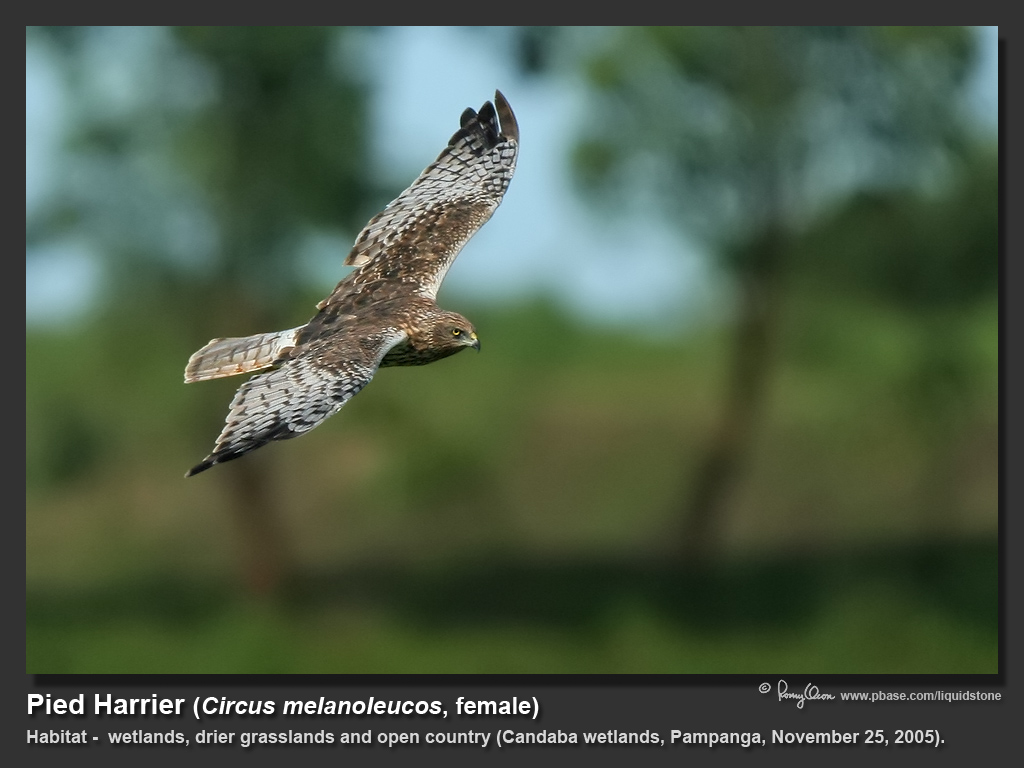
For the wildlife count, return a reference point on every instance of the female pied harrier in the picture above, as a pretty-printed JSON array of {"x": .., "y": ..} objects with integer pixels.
[{"x": 383, "y": 313}]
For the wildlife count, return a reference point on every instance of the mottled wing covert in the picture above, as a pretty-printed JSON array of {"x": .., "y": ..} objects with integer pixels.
[
  {"x": 414, "y": 240},
  {"x": 289, "y": 401}
]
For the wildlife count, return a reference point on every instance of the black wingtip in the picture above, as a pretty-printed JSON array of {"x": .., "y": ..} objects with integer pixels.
[
  {"x": 230, "y": 454},
  {"x": 494, "y": 121},
  {"x": 201, "y": 467},
  {"x": 509, "y": 126}
]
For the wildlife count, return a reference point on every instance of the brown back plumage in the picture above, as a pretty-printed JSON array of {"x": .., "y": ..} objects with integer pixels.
[{"x": 383, "y": 313}]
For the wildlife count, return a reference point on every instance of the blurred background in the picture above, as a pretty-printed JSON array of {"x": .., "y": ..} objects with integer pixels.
[{"x": 737, "y": 408}]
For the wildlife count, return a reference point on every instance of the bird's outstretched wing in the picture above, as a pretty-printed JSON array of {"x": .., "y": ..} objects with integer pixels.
[
  {"x": 402, "y": 254},
  {"x": 408, "y": 247},
  {"x": 290, "y": 400}
]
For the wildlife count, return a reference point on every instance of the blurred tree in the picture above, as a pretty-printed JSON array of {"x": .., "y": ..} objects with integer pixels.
[
  {"x": 934, "y": 256},
  {"x": 196, "y": 174},
  {"x": 744, "y": 136}
]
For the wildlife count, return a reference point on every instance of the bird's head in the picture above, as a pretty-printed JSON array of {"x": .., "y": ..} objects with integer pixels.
[{"x": 454, "y": 332}]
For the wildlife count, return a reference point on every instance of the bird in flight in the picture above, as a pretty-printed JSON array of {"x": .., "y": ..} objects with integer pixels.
[{"x": 383, "y": 313}]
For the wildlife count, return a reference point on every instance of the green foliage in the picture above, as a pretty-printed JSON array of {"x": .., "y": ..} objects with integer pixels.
[
  {"x": 511, "y": 511},
  {"x": 283, "y": 142},
  {"x": 734, "y": 129},
  {"x": 923, "y": 253},
  {"x": 927, "y": 610},
  {"x": 205, "y": 181}
]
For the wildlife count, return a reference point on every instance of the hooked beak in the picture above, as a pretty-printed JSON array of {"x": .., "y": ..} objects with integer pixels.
[{"x": 476, "y": 342}]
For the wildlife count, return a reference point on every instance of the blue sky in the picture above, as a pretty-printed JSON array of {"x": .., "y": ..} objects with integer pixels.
[{"x": 541, "y": 238}]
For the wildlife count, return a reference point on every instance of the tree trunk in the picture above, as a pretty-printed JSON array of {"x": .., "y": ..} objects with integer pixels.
[
  {"x": 263, "y": 553},
  {"x": 264, "y": 561},
  {"x": 730, "y": 441}
]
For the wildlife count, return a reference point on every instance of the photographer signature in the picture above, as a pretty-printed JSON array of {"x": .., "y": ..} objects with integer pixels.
[{"x": 810, "y": 693}]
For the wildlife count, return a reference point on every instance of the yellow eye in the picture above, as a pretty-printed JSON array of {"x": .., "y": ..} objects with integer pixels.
[{"x": 456, "y": 331}]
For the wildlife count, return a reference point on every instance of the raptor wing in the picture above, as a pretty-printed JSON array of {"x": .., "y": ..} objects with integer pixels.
[
  {"x": 408, "y": 247},
  {"x": 288, "y": 401}
]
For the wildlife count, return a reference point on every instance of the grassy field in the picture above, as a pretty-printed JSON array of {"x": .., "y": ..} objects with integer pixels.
[
  {"x": 519, "y": 511},
  {"x": 931, "y": 610}
]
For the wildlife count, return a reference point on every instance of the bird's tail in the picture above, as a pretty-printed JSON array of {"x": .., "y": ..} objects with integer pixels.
[{"x": 245, "y": 354}]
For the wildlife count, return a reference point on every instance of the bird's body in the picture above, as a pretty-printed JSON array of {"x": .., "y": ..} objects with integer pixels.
[{"x": 382, "y": 314}]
